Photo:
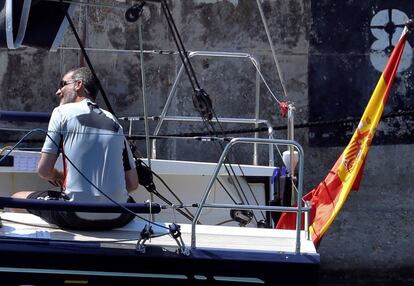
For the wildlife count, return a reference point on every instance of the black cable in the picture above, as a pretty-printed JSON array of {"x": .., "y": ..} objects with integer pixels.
[
  {"x": 400, "y": 113},
  {"x": 82, "y": 174},
  {"x": 339, "y": 122},
  {"x": 201, "y": 99},
  {"x": 182, "y": 44},
  {"x": 234, "y": 173},
  {"x": 233, "y": 176},
  {"x": 75, "y": 33},
  {"x": 105, "y": 98},
  {"x": 224, "y": 222},
  {"x": 251, "y": 191},
  {"x": 181, "y": 50},
  {"x": 172, "y": 192},
  {"x": 161, "y": 197},
  {"x": 228, "y": 193},
  {"x": 241, "y": 170},
  {"x": 150, "y": 186},
  {"x": 184, "y": 51}
]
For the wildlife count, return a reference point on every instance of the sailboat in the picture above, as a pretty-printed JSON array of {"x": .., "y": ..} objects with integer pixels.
[{"x": 201, "y": 223}]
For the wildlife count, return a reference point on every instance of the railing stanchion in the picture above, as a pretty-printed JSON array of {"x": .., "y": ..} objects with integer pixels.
[{"x": 298, "y": 209}]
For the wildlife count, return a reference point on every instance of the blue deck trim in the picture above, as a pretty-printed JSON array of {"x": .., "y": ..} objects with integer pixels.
[{"x": 24, "y": 116}]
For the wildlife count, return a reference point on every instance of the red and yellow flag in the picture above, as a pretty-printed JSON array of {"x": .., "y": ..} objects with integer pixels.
[{"x": 329, "y": 196}]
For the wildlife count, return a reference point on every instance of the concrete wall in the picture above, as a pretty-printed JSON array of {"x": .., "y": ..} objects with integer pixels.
[{"x": 373, "y": 233}]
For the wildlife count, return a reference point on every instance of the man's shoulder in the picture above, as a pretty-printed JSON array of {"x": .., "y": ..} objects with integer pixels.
[
  {"x": 69, "y": 107},
  {"x": 107, "y": 113},
  {"x": 67, "y": 111}
]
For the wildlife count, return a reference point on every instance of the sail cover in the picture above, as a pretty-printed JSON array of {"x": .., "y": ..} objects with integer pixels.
[{"x": 35, "y": 23}]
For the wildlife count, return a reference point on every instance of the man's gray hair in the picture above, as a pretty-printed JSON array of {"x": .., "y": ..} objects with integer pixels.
[{"x": 89, "y": 81}]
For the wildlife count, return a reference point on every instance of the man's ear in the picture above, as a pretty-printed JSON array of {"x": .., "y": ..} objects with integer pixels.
[{"x": 78, "y": 85}]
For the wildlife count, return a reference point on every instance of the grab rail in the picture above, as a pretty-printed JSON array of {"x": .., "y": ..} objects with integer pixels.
[
  {"x": 299, "y": 209},
  {"x": 163, "y": 116}
]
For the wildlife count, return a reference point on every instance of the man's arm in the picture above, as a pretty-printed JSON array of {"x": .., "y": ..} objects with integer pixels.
[
  {"x": 131, "y": 180},
  {"x": 46, "y": 169}
]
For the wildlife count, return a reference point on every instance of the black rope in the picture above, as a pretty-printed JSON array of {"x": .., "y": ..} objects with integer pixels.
[
  {"x": 200, "y": 94},
  {"x": 227, "y": 191},
  {"x": 232, "y": 176},
  {"x": 240, "y": 168},
  {"x": 105, "y": 98},
  {"x": 201, "y": 100},
  {"x": 191, "y": 216},
  {"x": 201, "y": 135},
  {"x": 79, "y": 172},
  {"x": 145, "y": 177},
  {"x": 352, "y": 120},
  {"x": 85, "y": 55},
  {"x": 231, "y": 167},
  {"x": 187, "y": 214},
  {"x": 180, "y": 46}
]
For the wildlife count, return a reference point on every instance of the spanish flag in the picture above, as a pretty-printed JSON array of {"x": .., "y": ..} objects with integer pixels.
[{"x": 329, "y": 196}]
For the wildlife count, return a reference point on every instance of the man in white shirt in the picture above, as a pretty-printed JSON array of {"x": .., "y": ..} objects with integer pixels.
[{"x": 97, "y": 158}]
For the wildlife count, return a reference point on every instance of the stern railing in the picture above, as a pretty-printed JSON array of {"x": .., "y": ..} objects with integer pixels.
[{"x": 299, "y": 209}]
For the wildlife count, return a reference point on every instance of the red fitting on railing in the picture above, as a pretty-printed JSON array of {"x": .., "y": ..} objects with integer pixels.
[{"x": 283, "y": 108}]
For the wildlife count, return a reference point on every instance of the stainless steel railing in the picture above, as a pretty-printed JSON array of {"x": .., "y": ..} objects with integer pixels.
[
  {"x": 173, "y": 90},
  {"x": 299, "y": 209}
]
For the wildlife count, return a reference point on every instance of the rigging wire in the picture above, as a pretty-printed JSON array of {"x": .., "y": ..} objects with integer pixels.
[
  {"x": 100, "y": 5},
  {"x": 189, "y": 70},
  {"x": 225, "y": 189},
  {"x": 234, "y": 173},
  {"x": 201, "y": 99},
  {"x": 81, "y": 173},
  {"x": 85, "y": 54},
  {"x": 339, "y": 122},
  {"x": 105, "y": 98},
  {"x": 11, "y": 148},
  {"x": 265, "y": 82},
  {"x": 172, "y": 193},
  {"x": 282, "y": 81},
  {"x": 200, "y": 96},
  {"x": 200, "y": 135},
  {"x": 180, "y": 46},
  {"x": 149, "y": 184}
]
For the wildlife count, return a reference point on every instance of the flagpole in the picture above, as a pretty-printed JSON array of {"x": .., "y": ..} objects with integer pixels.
[
  {"x": 330, "y": 195},
  {"x": 409, "y": 26}
]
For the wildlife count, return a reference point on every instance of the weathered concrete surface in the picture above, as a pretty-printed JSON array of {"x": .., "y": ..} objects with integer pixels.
[{"x": 372, "y": 236}]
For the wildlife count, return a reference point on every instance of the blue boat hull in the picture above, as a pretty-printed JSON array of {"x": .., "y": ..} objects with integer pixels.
[{"x": 45, "y": 262}]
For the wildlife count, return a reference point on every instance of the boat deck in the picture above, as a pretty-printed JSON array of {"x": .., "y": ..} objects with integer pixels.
[
  {"x": 208, "y": 236},
  {"x": 35, "y": 252}
]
